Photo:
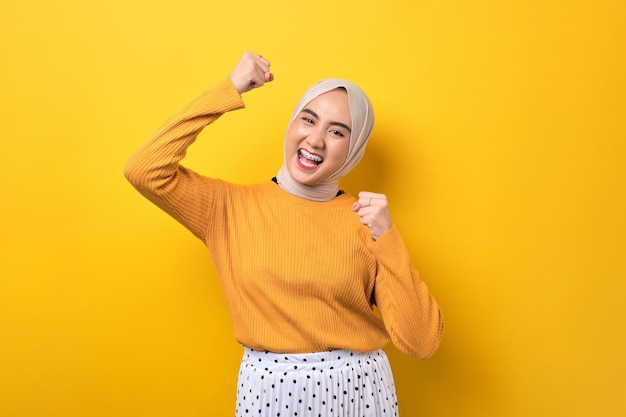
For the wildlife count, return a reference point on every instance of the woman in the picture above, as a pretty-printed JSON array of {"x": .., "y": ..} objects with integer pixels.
[{"x": 301, "y": 263}]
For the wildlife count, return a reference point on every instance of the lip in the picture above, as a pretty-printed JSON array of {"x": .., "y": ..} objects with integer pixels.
[{"x": 308, "y": 167}]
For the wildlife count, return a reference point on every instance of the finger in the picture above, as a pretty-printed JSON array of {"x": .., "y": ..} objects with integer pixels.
[
  {"x": 254, "y": 62},
  {"x": 365, "y": 205},
  {"x": 264, "y": 61},
  {"x": 361, "y": 206},
  {"x": 367, "y": 201},
  {"x": 367, "y": 213},
  {"x": 366, "y": 197},
  {"x": 370, "y": 194},
  {"x": 257, "y": 77},
  {"x": 260, "y": 62}
]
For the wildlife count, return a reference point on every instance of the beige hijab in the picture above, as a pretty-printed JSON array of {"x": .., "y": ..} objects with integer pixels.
[{"x": 362, "y": 124}]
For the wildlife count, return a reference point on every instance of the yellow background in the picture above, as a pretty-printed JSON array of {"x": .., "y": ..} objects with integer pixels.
[{"x": 499, "y": 141}]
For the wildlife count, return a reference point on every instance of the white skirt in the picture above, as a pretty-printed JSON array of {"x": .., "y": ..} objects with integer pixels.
[{"x": 338, "y": 383}]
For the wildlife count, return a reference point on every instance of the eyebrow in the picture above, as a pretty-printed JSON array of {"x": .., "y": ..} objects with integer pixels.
[{"x": 312, "y": 113}]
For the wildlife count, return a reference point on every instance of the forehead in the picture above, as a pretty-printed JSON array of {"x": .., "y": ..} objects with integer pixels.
[{"x": 334, "y": 103}]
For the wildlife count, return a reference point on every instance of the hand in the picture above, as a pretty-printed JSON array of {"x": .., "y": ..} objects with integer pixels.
[
  {"x": 252, "y": 71},
  {"x": 373, "y": 210}
]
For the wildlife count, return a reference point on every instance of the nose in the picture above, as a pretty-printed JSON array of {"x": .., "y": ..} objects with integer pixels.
[{"x": 316, "y": 139}]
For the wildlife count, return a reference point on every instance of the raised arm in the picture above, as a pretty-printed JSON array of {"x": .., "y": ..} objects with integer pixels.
[{"x": 155, "y": 170}]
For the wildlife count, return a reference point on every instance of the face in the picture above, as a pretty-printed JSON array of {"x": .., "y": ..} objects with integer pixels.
[{"x": 318, "y": 140}]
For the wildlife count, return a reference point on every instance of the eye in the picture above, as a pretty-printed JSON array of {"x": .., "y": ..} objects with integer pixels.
[
  {"x": 337, "y": 133},
  {"x": 307, "y": 120}
]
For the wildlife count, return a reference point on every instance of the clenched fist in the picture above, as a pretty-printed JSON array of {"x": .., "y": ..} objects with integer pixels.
[
  {"x": 373, "y": 209},
  {"x": 252, "y": 71}
]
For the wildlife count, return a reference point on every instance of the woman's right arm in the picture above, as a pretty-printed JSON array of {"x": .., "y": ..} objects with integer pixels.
[{"x": 155, "y": 170}]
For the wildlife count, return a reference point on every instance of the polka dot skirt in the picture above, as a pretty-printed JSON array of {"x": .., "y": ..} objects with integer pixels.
[{"x": 338, "y": 383}]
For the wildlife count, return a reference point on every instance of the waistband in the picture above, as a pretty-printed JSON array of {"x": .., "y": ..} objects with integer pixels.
[{"x": 315, "y": 361}]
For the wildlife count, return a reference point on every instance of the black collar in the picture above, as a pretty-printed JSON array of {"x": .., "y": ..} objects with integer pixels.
[{"x": 338, "y": 192}]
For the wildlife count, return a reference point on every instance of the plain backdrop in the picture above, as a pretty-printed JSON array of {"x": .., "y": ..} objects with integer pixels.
[{"x": 499, "y": 141}]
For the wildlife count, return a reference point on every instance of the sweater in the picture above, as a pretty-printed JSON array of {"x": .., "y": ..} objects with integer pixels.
[{"x": 298, "y": 275}]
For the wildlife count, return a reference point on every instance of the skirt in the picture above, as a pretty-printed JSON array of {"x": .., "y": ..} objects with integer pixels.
[{"x": 338, "y": 383}]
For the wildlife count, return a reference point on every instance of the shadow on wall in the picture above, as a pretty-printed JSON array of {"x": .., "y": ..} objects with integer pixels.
[
  {"x": 369, "y": 174},
  {"x": 457, "y": 380},
  {"x": 447, "y": 383}
]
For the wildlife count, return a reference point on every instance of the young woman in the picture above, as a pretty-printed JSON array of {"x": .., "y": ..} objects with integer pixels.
[{"x": 301, "y": 263}]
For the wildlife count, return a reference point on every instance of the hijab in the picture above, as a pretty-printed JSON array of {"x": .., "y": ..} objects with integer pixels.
[{"x": 362, "y": 116}]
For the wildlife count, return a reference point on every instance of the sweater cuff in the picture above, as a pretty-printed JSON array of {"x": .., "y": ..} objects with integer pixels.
[
  {"x": 231, "y": 95},
  {"x": 390, "y": 248}
]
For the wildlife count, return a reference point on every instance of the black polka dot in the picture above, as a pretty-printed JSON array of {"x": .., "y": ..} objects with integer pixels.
[{"x": 355, "y": 376}]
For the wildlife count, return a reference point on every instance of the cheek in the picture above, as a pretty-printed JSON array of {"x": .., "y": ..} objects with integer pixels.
[
  {"x": 340, "y": 150},
  {"x": 290, "y": 138},
  {"x": 295, "y": 133}
]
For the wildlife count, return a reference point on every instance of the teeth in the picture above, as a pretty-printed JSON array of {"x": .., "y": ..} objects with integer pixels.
[{"x": 310, "y": 156}]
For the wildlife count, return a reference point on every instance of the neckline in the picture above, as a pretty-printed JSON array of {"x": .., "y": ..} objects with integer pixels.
[
  {"x": 275, "y": 189},
  {"x": 339, "y": 192}
]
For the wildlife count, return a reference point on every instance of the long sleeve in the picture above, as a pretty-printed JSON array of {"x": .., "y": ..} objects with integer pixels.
[
  {"x": 411, "y": 314},
  {"x": 154, "y": 169},
  {"x": 296, "y": 294}
]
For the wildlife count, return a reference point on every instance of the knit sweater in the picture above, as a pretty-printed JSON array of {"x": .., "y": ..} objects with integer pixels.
[{"x": 297, "y": 275}]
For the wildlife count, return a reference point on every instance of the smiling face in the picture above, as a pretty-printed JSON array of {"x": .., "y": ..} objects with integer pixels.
[{"x": 318, "y": 140}]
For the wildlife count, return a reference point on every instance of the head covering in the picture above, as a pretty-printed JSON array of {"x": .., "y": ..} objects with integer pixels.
[{"x": 362, "y": 116}]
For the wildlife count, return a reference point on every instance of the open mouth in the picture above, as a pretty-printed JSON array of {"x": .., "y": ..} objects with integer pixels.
[{"x": 308, "y": 159}]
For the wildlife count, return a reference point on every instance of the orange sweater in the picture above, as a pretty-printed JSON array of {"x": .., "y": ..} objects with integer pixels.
[{"x": 298, "y": 275}]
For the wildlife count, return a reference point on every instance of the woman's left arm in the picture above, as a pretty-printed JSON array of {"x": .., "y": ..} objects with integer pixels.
[{"x": 411, "y": 314}]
